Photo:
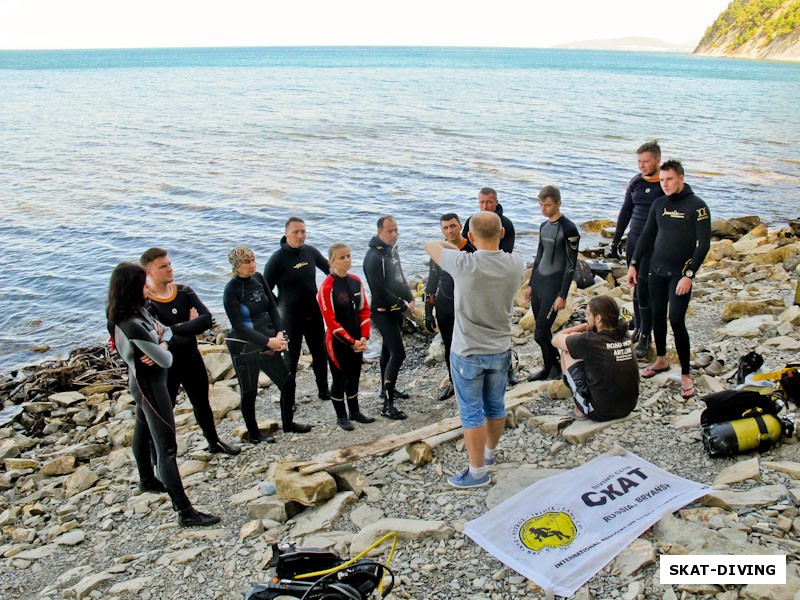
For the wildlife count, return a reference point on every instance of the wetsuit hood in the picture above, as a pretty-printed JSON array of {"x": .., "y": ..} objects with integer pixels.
[
  {"x": 380, "y": 245},
  {"x": 686, "y": 191},
  {"x": 285, "y": 245}
]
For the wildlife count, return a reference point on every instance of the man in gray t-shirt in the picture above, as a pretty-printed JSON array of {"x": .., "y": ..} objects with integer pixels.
[{"x": 485, "y": 284}]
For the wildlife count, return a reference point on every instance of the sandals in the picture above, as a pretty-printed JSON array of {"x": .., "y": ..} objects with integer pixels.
[
  {"x": 688, "y": 392},
  {"x": 704, "y": 358},
  {"x": 649, "y": 371},
  {"x": 715, "y": 367}
]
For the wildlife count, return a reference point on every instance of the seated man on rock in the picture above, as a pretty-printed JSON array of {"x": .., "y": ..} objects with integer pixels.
[{"x": 598, "y": 363}]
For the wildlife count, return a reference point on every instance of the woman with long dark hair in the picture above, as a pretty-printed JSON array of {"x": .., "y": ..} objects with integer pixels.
[
  {"x": 256, "y": 342},
  {"x": 143, "y": 343}
]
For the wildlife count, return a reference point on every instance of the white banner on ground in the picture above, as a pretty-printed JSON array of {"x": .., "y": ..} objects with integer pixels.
[{"x": 560, "y": 531}]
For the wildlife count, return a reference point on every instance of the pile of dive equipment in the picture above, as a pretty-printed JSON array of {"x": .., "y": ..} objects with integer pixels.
[
  {"x": 318, "y": 574},
  {"x": 747, "y": 418}
]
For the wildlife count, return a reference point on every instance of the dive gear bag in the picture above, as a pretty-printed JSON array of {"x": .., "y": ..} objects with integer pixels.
[{"x": 743, "y": 420}]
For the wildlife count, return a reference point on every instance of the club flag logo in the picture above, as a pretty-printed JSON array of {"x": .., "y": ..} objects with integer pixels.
[
  {"x": 702, "y": 213},
  {"x": 551, "y": 529}
]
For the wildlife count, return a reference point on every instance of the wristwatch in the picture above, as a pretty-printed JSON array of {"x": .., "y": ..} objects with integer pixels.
[{"x": 689, "y": 274}]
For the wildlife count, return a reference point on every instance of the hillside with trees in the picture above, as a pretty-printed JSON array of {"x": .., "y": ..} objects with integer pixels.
[{"x": 767, "y": 29}]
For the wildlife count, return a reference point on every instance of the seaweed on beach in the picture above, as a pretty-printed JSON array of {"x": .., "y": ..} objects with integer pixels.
[{"x": 83, "y": 367}]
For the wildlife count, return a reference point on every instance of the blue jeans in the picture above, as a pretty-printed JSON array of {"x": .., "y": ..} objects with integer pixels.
[{"x": 480, "y": 384}]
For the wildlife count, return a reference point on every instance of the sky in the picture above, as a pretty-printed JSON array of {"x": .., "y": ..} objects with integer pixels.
[{"x": 77, "y": 24}]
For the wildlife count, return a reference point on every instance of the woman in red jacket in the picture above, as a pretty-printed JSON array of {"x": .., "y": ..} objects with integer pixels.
[{"x": 345, "y": 310}]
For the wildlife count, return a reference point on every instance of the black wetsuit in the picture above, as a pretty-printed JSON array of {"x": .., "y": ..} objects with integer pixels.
[
  {"x": 134, "y": 338},
  {"x": 678, "y": 233},
  {"x": 390, "y": 297},
  {"x": 254, "y": 317},
  {"x": 553, "y": 270},
  {"x": 509, "y": 237},
  {"x": 639, "y": 197},
  {"x": 188, "y": 368},
  {"x": 440, "y": 286},
  {"x": 293, "y": 272}
]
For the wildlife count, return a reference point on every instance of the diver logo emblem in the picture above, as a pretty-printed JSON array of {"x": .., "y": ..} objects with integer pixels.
[
  {"x": 548, "y": 530},
  {"x": 300, "y": 265},
  {"x": 702, "y": 214}
]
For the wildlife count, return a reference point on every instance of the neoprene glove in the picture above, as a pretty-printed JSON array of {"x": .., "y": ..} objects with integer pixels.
[
  {"x": 613, "y": 249},
  {"x": 430, "y": 320}
]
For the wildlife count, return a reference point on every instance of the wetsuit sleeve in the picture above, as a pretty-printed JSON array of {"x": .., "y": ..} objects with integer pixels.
[
  {"x": 272, "y": 309},
  {"x": 538, "y": 258},
  {"x": 325, "y": 301},
  {"x": 434, "y": 274},
  {"x": 509, "y": 238},
  {"x": 272, "y": 271},
  {"x": 624, "y": 216},
  {"x": 196, "y": 326},
  {"x": 572, "y": 240},
  {"x": 141, "y": 339},
  {"x": 322, "y": 262},
  {"x": 465, "y": 230},
  {"x": 363, "y": 311},
  {"x": 702, "y": 228},
  {"x": 644, "y": 245},
  {"x": 233, "y": 308}
]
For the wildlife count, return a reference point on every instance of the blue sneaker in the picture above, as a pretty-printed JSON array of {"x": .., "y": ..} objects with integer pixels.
[
  {"x": 466, "y": 480},
  {"x": 488, "y": 462}
]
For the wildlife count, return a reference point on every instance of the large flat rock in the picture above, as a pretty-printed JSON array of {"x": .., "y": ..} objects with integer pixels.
[
  {"x": 581, "y": 431},
  {"x": 407, "y": 529},
  {"x": 754, "y": 498}
]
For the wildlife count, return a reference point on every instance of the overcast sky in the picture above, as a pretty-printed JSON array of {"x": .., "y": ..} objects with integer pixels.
[{"x": 26, "y": 24}]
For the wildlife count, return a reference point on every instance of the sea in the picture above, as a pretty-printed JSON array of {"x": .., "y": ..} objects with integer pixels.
[{"x": 108, "y": 152}]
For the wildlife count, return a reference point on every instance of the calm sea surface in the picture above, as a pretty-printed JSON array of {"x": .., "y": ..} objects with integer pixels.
[{"x": 106, "y": 153}]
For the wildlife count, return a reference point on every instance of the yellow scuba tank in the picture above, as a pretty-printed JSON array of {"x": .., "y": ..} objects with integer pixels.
[{"x": 742, "y": 435}]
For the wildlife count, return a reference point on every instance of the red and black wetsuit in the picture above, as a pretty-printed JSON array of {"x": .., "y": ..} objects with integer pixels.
[{"x": 345, "y": 310}]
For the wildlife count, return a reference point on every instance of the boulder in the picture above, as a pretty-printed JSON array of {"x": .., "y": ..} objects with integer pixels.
[
  {"x": 222, "y": 400},
  {"x": 407, "y": 529},
  {"x": 720, "y": 250},
  {"x": 322, "y": 517},
  {"x": 736, "y": 309},
  {"x": 305, "y": 489},
  {"x": 218, "y": 365},
  {"x": 752, "y": 498},
  {"x": 792, "y": 469},
  {"x": 596, "y": 225},
  {"x": 581, "y": 431},
  {"x": 550, "y": 424},
  {"x": 348, "y": 478},
  {"x": 639, "y": 554},
  {"x": 273, "y": 508},
  {"x": 791, "y": 315},
  {"x": 79, "y": 481},
  {"x": 739, "y": 471},
  {"x": 746, "y": 327},
  {"x": 67, "y": 398}
]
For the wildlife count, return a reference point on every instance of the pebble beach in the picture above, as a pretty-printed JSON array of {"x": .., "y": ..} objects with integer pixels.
[{"x": 75, "y": 526}]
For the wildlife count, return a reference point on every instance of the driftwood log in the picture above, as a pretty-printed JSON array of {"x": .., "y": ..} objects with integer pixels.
[{"x": 432, "y": 435}]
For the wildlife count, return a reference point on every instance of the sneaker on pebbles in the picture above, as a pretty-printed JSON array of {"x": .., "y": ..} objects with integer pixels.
[{"x": 467, "y": 481}]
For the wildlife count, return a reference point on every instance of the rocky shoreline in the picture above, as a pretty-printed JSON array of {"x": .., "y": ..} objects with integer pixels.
[{"x": 75, "y": 526}]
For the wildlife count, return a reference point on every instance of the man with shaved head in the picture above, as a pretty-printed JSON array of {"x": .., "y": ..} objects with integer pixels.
[{"x": 485, "y": 284}]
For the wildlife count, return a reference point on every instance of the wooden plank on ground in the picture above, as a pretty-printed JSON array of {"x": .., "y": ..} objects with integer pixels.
[{"x": 384, "y": 445}]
